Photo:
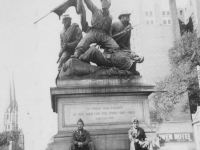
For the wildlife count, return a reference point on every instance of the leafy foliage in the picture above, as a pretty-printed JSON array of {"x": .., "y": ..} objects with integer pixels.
[
  {"x": 7, "y": 136},
  {"x": 184, "y": 56}
]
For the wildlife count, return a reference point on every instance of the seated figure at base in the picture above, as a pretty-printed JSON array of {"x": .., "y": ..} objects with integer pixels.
[
  {"x": 137, "y": 137},
  {"x": 80, "y": 139}
]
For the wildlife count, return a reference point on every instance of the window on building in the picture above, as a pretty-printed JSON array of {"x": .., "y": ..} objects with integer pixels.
[
  {"x": 149, "y": 17},
  {"x": 150, "y": 13},
  {"x": 167, "y": 21},
  {"x": 7, "y": 116},
  {"x": 164, "y": 22},
  {"x": 168, "y": 13},
  {"x": 8, "y": 126},
  {"x": 190, "y": 2},
  {"x": 163, "y": 13}
]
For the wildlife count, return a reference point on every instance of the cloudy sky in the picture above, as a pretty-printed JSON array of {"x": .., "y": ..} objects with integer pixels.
[{"x": 29, "y": 51}]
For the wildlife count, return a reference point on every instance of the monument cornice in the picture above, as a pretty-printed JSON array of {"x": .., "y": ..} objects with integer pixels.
[{"x": 100, "y": 86}]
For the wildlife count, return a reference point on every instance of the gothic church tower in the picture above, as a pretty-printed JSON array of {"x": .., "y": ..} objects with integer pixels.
[{"x": 11, "y": 113}]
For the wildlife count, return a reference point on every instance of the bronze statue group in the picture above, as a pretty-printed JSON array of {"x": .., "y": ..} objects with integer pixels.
[{"x": 105, "y": 44}]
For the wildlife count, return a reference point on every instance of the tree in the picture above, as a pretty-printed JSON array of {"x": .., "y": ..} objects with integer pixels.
[
  {"x": 6, "y": 137},
  {"x": 182, "y": 79}
]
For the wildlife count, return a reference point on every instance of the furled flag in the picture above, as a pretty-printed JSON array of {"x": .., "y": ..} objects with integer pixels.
[{"x": 59, "y": 10}]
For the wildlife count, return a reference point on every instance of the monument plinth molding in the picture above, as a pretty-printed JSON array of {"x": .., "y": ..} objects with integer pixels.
[{"x": 105, "y": 105}]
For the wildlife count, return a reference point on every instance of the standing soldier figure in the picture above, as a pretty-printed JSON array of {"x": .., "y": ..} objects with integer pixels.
[
  {"x": 70, "y": 36},
  {"x": 124, "y": 27},
  {"x": 100, "y": 31},
  {"x": 121, "y": 33}
]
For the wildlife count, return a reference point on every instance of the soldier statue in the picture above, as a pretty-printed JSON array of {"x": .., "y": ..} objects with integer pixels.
[
  {"x": 114, "y": 38},
  {"x": 100, "y": 29},
  {"x": 70, "y": 36},
  {"x": 124, "y": 27},
  {"x": 121, "y": 33}
]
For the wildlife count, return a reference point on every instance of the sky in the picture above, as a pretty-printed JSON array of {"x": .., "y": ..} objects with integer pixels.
[{"x": 29, "y": 51}]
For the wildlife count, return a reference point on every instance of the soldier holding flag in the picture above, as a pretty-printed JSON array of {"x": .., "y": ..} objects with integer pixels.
[{"x": 100, "y": 31}]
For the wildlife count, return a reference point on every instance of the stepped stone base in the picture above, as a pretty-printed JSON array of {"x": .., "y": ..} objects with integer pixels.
[{"x": 105, "y": 105}]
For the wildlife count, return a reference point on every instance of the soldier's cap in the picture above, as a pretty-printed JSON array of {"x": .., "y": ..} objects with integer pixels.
[
  {"x": 65, "y": 16},
  {"x": 134, "y": 120},
  {"x": 109, "y": 1},
  {"x": 80, "y": 120},
  {"x": 124, "y": 13}
]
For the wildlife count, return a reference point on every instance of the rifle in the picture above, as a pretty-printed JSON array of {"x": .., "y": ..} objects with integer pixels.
[
  {"x": 63, "y": 49},
  {"x": 72, "y": 29},
  {"x": 126, "y": 30}
]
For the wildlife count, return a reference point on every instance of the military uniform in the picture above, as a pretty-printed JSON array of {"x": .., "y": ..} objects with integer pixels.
[
  {"x": 123, "y": 40},
  {"x": 98, "y": 32},
  {"x": 119, "y": 60},
  {"x": 81, "y": 136}
]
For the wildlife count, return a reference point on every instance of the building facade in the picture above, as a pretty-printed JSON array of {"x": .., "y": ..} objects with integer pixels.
[{"x": 153, "y": 37}]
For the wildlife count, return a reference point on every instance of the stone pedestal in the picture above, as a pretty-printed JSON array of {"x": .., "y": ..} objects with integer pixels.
[{"x": 105, "y": 105}]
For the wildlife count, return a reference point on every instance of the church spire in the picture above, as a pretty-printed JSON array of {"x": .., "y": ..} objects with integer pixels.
[
  {"x": 11, "y": 114},
  {"x": 12, "y": 84},
  {"x": 11, "y": 95}
]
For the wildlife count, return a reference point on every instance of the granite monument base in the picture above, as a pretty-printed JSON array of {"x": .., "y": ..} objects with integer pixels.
[{"x": 105, "y": 105}]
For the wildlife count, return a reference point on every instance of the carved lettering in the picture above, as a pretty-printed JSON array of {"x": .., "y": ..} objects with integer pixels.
[{"x": 103, "y": 113}]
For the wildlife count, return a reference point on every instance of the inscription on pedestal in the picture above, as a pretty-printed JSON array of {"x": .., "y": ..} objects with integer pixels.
[{"x": 103, "y": 113}]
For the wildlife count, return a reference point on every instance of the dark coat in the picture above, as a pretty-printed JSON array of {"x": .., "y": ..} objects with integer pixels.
[
  {"x": 81, "y": 136},
  {"x": 123, "y": 40},
  {"x": 137, "y": 134},
  {"x": 140, "y": 135}
]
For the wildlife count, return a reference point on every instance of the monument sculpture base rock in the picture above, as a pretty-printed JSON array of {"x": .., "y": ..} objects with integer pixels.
[
  {"x": 78, "y": 70},
  {"x": 105, "y": 105}
]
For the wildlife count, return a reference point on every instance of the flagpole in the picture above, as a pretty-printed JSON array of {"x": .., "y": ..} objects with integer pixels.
[{"x": 42, "y": 17}]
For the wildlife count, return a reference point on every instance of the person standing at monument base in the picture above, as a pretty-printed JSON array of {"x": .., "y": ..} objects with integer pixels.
[{"x": 80, "y": 139}]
